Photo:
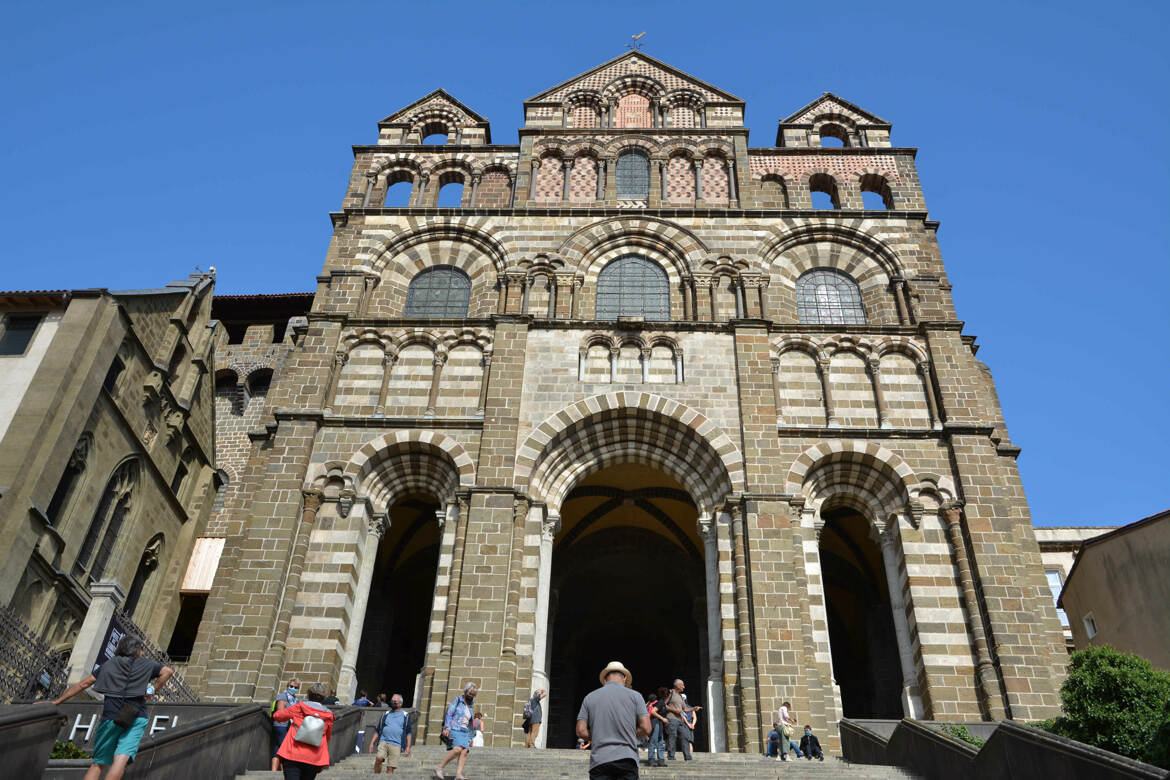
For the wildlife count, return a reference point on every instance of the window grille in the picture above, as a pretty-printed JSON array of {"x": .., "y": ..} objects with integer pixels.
[
  {"x": 826, "y": 296},
  {"x": 633, "y": 286},
  {"x": 633, "y": 175},
  {"x": 438, "y": 292}
]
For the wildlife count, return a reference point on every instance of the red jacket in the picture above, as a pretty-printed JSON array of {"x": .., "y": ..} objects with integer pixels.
[{"x": 297, "y": 751}]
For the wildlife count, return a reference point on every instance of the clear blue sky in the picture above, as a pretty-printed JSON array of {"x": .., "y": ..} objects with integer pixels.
[{"x": 142, "y": 140}]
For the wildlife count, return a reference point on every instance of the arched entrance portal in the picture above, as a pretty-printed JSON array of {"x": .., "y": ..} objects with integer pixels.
[
  {"x": 628, "y": 584},
  {"x": 862, "y": 636},
  {"x": 394, "y": 637}
]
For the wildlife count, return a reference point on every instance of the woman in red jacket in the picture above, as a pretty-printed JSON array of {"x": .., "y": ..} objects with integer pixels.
[{"x": 302, "y": 761}]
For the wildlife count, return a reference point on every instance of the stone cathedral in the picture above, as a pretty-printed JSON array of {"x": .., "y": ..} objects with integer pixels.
[{"x": 632, "y": 389}]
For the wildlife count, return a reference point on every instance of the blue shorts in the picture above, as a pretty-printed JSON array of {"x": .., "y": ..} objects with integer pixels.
[
  {"x": 460, "y": 738},
  {"x": 113, "y": 740}
]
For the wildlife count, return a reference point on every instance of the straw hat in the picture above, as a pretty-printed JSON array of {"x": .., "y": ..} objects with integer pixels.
[{"x": 616, "y": 666}]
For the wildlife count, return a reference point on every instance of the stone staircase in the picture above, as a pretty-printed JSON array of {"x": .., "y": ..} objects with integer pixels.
[{"x": 519, "y": 764}]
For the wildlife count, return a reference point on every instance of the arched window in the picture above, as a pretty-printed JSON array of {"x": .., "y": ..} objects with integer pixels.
[
  {"x": 875, "y": 192},
  {"x": 633, "y": 175},
  {"x": 442, "y": 291},
  {"x": 827, "y": 296},
  {"x": 110, "y": 514},
  {"x": 823, "y": 189},
  {"x": 633, "y": 286}
]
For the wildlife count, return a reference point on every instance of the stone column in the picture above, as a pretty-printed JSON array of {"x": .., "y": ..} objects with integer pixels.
[
  {"x": 506, "y": 693},
  {"x": 454, "y": 539},
  {"x": 827, "y": 392},
  {"x": 369, "y": 283},
  {"x": 698, "y": 181},
  {"x": 911, "y": 697},
  {"x": 376, "y": 527},
  {"x": 540, "y": 644},
  {"x": 776, "y": 394},
  {"x": 578, "y": 282},
  {"x": 897, "y": 285},
  {"x": 421, "y": 190},
  {"x": 600, "y": 195},
  {"x": 388, "y": 361},
  {"x": 654, "y": 108},
  {"x": 614, "y": 354},
  {"x": 990, "y": 693},
  {"x": 532, "y": 178},
  {"x": 753, "y": 737},
  {"x": 762, "y": 291},
  {"x": 567, "y": 166},
  {"x": 371, "y": 182},
  {"x": 645, "y": 360},
  {"x": 486, "y": 363},
  {"x": 475, "y": 177},
  {"x": 339, "y": 361},
  {"x": 875, "y": 378},
  {"x": 716, "y": 705},
  {"x": 106, "y": 595},
  {"x": 732, "y": 183},
  {"x": 433, "y": 398},
  {"x": 703, "y": 116},
  {"x": 611, "y": 181},
  {"x": 272, "y": 667},
  {"x": 931, "y": 398},
  {"x": 511, "y": 190}
]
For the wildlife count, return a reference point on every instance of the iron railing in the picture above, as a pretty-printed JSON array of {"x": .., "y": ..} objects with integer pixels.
[
  {"x": 29, "y": 668},
  {"x": 176, "y": 689}
]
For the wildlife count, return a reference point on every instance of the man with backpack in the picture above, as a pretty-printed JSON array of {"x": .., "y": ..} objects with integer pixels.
[
  {"x": 392, "y": 737},
  {"x": 125, "y": 681},
  {"x": 533, "y": 717}
]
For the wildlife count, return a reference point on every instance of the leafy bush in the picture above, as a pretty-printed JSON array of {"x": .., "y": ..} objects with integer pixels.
[
  {"x": 1118, "y": 702},
  {"x": 961, "y": 732},
  {"x": 67, "y": 750}
]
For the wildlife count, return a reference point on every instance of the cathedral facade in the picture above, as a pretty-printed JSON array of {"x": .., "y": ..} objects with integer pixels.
[{"x": 631, "y": 389}]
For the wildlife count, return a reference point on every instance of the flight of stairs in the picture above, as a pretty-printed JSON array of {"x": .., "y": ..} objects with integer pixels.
[{"x": 488, "y": 763}]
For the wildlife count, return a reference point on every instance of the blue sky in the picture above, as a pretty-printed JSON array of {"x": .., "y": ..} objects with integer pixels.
[{"x": 142, "y": 140}]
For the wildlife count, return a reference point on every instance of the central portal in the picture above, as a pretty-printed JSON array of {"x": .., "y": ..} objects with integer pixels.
[{"x": 628, "y": 584}]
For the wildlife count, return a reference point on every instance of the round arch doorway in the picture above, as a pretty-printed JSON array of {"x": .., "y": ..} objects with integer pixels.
[
  {"x": 394, "y": 637},
  {"x": 628, "y": 584}
]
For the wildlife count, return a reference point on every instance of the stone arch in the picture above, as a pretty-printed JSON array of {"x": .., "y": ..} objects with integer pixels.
[
  {"x": 461, "y": 246},
  {"x": 406, "y": 461},
  {"x": 875, "y": 181},
  {"x": 621, "y": 143},
  {"x": 632, "y": 82},
  {"x": 903, "y": 344},
  {"x": 684, "y": 248},
  {"x": 629, "y": 427},
  {"x": 390, "y": 163},
  {"x": 797, "y": 343},
  {"x": 845, "y": 469}
]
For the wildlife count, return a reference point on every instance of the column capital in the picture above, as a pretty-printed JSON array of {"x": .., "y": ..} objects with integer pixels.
[
  {"x": 340, "y": 357},
  {"x": 345, "y": 499},
  {"x": 312, "y": 498},
  {"x": 377, "y": 525},
  {"x": 109, "y": 589},
  {"x": 951, "y": 511},
  {"x": 551, "y": 526}
]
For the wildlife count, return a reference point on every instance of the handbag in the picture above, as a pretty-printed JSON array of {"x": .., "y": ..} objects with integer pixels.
[
  {"x": 788, "y": 730},
  {"x": 311, "y": 731},
  {"x": 127, "y": 714}
]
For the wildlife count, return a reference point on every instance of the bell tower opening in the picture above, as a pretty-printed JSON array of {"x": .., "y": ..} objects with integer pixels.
[
  {"x": 394, "y": 636},
  {"x": 628, "y": 584}
]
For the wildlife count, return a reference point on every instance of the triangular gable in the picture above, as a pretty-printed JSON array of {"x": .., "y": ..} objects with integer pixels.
[
  {"x": 438, "y": 97},
  {"x": 828, "y": 103},
  {"x": 634, "y": 62}
]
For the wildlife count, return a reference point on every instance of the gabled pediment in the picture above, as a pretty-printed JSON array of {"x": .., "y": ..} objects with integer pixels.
[
  {"x": 634, "y": 63},
  {"x": 828, "y": 103},
  {"x": 439, "y": 101}
]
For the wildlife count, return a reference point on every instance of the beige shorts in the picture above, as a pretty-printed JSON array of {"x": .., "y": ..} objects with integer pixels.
[{"x": 389, "y": 753}]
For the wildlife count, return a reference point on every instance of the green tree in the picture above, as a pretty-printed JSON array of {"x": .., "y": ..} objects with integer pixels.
[{"x": 1115, "y": 701}]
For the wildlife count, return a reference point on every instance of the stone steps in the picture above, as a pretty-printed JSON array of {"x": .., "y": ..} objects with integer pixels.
[{"x": 519, "y": 764}]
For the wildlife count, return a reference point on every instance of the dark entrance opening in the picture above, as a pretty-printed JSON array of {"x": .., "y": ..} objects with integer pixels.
[
  {"x": 394, "y": 636},
  {"x": 628, "y": 584},
  {"x": 861, "y": 626}
]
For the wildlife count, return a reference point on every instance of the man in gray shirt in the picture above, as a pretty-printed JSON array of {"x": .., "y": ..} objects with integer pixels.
[{"x": 613, "y": 718}]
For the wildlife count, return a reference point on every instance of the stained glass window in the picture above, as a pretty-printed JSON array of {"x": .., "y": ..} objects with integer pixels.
[
  {"x": 442, "y": 291},
  {"x": 827, "y": 296},
  {"x": 633, "y": 286},
  {"x": 633, "y": 175}
]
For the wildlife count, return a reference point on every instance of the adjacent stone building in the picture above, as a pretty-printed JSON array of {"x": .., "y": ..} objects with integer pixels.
[
  {"x": 107, "y": 423},
  {"x": 630, "y": 389}
]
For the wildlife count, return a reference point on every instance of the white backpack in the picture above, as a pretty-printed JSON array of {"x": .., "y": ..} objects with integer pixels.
[{"x": 311, "y": 731}]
